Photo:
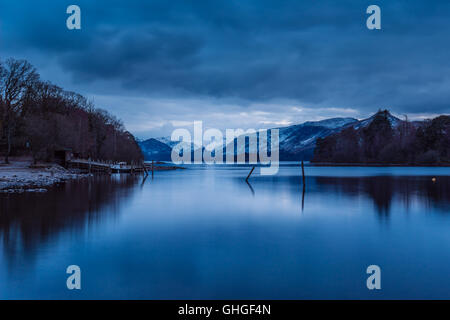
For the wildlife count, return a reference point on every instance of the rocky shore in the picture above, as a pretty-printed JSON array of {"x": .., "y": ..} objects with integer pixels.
[{"x": 21, "y": 176}]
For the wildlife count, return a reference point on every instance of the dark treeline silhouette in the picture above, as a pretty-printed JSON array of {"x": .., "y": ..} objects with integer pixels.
[
  {"x": 426, "y": 142},
  {"x": 38, "y": 117}
]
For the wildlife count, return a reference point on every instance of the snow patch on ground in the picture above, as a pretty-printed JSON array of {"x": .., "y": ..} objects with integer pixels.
[{"x": 20, "y": 176}]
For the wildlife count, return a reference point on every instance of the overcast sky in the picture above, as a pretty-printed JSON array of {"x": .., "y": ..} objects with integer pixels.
[{"x": 159, "y": 64}]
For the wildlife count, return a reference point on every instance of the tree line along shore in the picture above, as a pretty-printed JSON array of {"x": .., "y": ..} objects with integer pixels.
[
  {"x": 380, "y": 143},
  {"x": 38, "y": 118}
]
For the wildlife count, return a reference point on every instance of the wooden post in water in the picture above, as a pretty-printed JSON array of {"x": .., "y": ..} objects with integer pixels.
[
  {"x": 303, "y": 173},
  {"x": 251, "y": 171}
]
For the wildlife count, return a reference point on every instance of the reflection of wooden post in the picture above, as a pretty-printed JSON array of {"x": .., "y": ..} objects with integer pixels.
[
  {"x": 250, "y": 186},
  {"x": 303, "y": 197},
  {"x": 144, "y": 168},
  {"x": 152, "y": 168},
  {"x": 251, "y": 171},
  {"x": 303, "y": 172},
  {"x": 304, "y": 186}
]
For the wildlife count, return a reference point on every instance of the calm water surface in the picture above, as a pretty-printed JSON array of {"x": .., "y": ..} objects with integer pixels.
[{"x": 203, "y": 233}]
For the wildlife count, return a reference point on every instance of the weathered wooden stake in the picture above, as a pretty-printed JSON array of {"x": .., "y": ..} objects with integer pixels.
[{"x": 251, "y": 171}]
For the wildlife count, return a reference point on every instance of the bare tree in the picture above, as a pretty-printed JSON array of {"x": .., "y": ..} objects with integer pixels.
[
  {"x": 16, "y": 76},
  {"x": 47, "y": 117}
]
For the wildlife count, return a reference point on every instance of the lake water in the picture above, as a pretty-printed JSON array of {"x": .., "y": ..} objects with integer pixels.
[{"x": 204, "y": 233}]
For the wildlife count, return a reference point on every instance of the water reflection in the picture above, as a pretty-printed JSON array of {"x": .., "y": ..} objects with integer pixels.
[
  {"x": 303, "y": 196},
  {"x": 250, "y": 187},
  {"x": 383, "y": 190},
  {"x": 29, "y": 220},
  {"x": 205, "y": 233}
]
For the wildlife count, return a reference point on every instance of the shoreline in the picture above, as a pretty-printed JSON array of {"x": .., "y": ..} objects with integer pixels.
[
  {"x": 21, "y": 176},
  {"x": 333, "y": 164}
]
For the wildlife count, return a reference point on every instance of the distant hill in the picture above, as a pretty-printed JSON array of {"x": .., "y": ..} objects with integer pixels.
[
  {"x": 385, "y": 114},
  {"x": 385, "y": 139},
  {"x": 340, "y": 140},
  {"x": 153, "y": 149},
  {"x": 297, "y": 142}
]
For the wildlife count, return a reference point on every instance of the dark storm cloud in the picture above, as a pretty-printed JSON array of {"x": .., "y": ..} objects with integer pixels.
[{"x": 316, "y": 52}]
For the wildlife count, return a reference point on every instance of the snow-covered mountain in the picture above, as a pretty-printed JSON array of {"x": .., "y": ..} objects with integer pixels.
[
  {"x": 153, "y": 149},
  {"x": 161, "y": 148},
  {"x": 296, "y": 142},
  {"x": 332, "y": 123},
  {"x": 178, "y": 144}
]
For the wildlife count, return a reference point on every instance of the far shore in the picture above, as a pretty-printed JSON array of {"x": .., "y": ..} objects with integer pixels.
[
  {"x": 21, "y": 175},
  {"x": 160, "y": 165},
  {"x": 334, "y": 164}
]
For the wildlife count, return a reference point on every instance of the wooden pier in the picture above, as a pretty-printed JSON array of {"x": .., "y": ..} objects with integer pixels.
[
  {"x": 120, "y": 167},
  {"x": 103, "y": 166}
]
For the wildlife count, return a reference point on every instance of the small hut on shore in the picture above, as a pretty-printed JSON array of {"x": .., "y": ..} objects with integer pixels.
[{"x": 62, "y": 156}]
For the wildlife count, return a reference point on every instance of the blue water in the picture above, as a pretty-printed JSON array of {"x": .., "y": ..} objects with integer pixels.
[{"x": 204, "y": 233}]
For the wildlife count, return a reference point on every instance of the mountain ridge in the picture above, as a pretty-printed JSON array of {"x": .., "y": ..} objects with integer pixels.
[{"x": 296, "y": 142}]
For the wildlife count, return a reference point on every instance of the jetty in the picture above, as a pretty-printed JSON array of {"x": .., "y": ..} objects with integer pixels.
[{"x": 118, "y": 167}]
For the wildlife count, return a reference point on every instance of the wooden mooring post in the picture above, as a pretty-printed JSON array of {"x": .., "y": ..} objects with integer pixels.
[{"x": 251, "y": 171}]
